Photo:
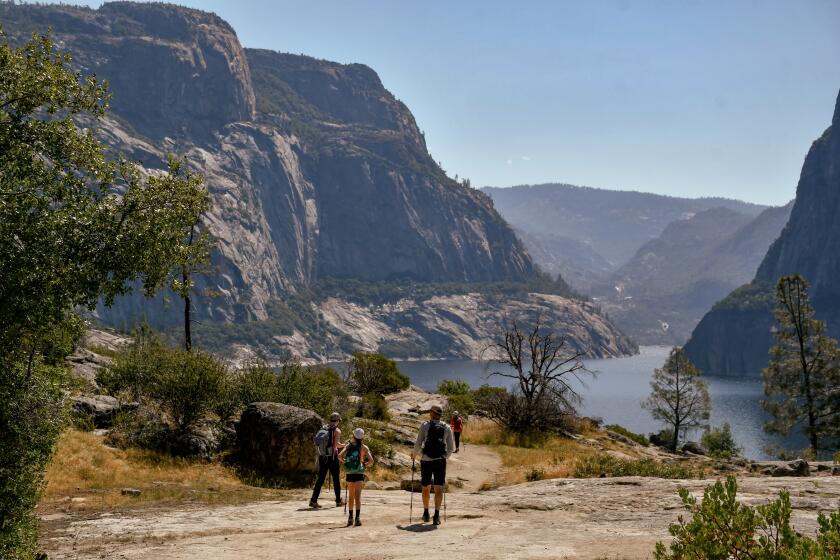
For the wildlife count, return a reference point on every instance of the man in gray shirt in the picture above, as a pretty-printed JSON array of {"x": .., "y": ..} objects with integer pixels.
[{"x": 437, "y": 444}]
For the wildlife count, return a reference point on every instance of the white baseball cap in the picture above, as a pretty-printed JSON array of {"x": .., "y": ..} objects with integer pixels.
[{"x": 358, "y": 433}]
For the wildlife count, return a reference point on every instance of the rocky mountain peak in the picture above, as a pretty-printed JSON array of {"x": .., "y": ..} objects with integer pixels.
[{"x": 172, "y": 71}]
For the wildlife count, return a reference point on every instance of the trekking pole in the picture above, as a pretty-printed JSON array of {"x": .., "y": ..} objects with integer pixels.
[
  {"x": 411, "y": 507},
  {"x": 444, "y": 499}
]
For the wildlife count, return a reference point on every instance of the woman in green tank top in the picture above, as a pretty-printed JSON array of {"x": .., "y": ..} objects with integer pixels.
[{"x": 357, "y": 458}]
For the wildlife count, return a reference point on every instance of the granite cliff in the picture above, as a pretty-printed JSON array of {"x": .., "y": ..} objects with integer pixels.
[
  {"x": 735, "y": 336},
  {"x": 315, "y": 170}
]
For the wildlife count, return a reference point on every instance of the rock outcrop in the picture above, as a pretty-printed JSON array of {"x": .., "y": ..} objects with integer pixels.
[
  {"x": 315, "y": 170},
  {"x": 276, "y": 440},
  {"x": 735, "y": 336}
]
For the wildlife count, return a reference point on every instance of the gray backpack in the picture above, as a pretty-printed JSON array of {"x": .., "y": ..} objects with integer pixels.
[{"x": 324, "y": 440}]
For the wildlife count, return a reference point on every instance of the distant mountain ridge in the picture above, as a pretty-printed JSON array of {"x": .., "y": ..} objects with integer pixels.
[
  {"x": 735, "y": 336},
  {"x": 614, "y": 223}
]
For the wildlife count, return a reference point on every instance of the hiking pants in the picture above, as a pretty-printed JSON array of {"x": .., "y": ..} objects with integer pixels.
[
  {"x": 457, "y": 440},
  {"x": 331, "y": 465}
]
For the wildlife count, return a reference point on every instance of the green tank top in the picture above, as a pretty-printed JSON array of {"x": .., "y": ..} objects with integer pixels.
[{"x": 353, "y": 459}]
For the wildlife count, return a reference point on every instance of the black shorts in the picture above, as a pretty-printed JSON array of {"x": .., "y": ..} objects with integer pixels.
[
  {"x": 433, "y": 469},
  {"x": 355, "y": 477}
]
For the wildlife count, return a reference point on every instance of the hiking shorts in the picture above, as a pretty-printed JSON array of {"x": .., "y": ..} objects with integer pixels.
[
  {"x": 355, "y": 477},
  {"x": 434, "y": 469}
]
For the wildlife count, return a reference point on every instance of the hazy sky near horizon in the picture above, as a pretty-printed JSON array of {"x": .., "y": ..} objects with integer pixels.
[{"x": 687, "y": 98}]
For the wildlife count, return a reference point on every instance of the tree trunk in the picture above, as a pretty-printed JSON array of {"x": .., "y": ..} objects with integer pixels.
[
  {"x": 676, "y": 437},
  {"x": 187, "y": 320}
]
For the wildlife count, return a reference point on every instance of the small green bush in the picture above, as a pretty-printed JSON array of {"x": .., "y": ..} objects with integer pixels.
[
  {"x": 379, "y": 448},
  {"x": 451, "y": 387},
  {"x": 720, "y": 443},
  {"x": 721, "y": 527},
  {"x": 638, "y": 438},
  {"x": 188, "y": 385},
  {"x": 313, "y": 388},
  {"x": 465, "y": 404},
  {"x": 374, "y": 373},
  {"x": 484, "y": 396},
  {"x": 373, "y": 407},
  {"x": 534, "y": 475},
  {"x": 605, "y": 465}
]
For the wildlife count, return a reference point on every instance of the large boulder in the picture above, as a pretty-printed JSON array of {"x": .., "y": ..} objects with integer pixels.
[
  {"x": 694, "y": 448},
  {"x": 276, "y": 440},
  {"x": 100, "y": 408}
]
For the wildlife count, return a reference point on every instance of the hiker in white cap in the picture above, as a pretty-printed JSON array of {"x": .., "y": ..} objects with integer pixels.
[{"x": 357, "y": 458}]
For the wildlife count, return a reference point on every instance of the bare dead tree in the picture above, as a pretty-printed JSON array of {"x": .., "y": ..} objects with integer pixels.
[{"x": 544, "y": 368}]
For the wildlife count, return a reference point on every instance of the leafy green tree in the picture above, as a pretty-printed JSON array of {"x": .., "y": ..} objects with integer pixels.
[
  {"x": 679, "y": 398},
  {"x": 77, "y": 226},
  {"x": 802, "y": 382},
  {"x": 374, "y": 373}
]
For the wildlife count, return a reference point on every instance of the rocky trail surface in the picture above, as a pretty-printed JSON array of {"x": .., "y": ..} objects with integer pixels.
[{"x": 563, "y": 518}]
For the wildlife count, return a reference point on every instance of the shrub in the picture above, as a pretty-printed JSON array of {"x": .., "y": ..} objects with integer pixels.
[
  {"x": 451, "y": 387},
  {"x": 188, "y": 385},
  {"x": 534, "y": 475},
  {"x": 722, "y": 527},
  {"x": 605, "y": 465},
  {"x": 379, "y": 448},
  {"x": 318, "y": 389},
  {"x": 31, "y": 419},
  {"x": 373, "y": 407},
  {"x": 638, "y": 438},
  {"x": 465, "y": 404},
  {"x": 720, "y": 443},
  {"x": 256, "y": 382},
  {"x": 374, "y": 373},
  {"x": 518, "y": 415},
  {"x": 484, "y": 397}
]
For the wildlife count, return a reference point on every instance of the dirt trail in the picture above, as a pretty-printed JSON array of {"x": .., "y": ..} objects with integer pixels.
[{"x": 564, "y": 518}]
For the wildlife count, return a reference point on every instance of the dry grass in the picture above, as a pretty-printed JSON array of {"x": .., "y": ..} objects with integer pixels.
[
  {"x": 556, "y": 456},
  {"x": 87, "y": 475}
]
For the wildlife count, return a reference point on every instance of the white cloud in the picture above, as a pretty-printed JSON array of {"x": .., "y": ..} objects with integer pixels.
[
  {"x": 526, "y": 158},
  {"x": 509, "y": 162}
]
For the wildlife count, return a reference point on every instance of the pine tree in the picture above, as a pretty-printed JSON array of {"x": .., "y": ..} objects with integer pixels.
[
  {"x": 802, "y": 382},
  {"x": 679, "y": 398}
]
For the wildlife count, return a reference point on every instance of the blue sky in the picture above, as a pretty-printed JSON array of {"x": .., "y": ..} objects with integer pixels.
[{"x": 688, "y": 98}]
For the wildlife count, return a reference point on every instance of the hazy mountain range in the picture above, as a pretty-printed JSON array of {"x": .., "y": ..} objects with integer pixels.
[{"x": 654, "y": 263}]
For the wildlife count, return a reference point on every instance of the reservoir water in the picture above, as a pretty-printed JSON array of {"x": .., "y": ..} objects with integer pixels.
[{"x": 620, "y": 385}]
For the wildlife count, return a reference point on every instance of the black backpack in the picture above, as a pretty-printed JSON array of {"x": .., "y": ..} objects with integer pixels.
[{"x": 435, "y": 446}]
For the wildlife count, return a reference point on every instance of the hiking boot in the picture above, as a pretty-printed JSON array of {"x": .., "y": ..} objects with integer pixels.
[
  {"x": 314, "y": 505},
  {"x": 436, "y": 519},
  {"x": 358, "y": 522},
  {"x": 456, "y": 451},
  {"x": 350, "y": 520},
  {"x": 426, "y": 517},
  {"x": 339, "y": 502}
]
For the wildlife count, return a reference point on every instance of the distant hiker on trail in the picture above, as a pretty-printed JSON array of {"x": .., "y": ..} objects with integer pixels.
[
  {"x": 328, "y": 444},
  {"x": 357, "y": 458},
  {"x": 457, "y": 428},
  {"x": 436, "y": 442}
]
